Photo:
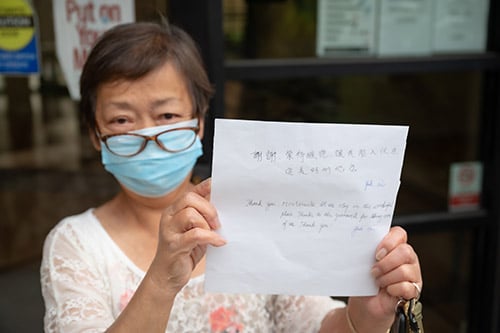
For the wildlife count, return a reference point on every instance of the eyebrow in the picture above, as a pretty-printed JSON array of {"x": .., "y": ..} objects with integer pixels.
[
  {"x": 161, "y": 102},
  {"x": 155, "y": 104},
  {"x": 121, "y": 105}
]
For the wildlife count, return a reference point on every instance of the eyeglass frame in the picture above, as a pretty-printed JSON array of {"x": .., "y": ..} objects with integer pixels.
[{"x": 147, "y": 138}]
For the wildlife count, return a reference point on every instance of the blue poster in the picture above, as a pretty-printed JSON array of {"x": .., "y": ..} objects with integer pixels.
[{"x": 18, "y": 39}]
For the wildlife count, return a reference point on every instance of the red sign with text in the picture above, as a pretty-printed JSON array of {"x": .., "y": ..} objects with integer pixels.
[{"x": 77, "y": 25}]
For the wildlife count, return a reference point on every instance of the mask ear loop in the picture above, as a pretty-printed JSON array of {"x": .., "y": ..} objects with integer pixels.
[{"x": 95, "y": 135}]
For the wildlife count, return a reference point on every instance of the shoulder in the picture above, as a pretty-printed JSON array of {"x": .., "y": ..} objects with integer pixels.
[
  {"x": 70, "y": 232},
  {"x": 73, "y": 246},
  {"x": 78, "y": 222}
]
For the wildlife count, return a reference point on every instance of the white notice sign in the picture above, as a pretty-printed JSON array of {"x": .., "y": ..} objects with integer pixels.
[
  {"x": 345, "y": 26},
  {"x": 460, "y": 25},
  {"x": 405, "y": 27},
  {"x": 302, "y": 206}
]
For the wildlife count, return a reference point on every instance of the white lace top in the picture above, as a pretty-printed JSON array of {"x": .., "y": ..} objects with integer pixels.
[{"x": 87, "y": 281}]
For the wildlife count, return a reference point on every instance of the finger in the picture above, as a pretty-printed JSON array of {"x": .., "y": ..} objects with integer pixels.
[
  {"x": 204, "y": 188},
  {"x": 191, "y": 242},
  {"x": 403, "y": 273},
  {"x": 187, "y": 219},
  {"x": 200, "y": 204},
  {"x": 198, "y": 252},
  {"x": 397, "y": 270},
  {"x": 401, "y": 255},
  {"x": 396, "y": 236},
  {"x": 406, "y": 290},
  {"x": 201, "y": 237}
]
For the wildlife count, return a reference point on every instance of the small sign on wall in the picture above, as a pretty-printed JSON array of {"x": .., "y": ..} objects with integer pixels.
[
  {"x": 465, "y": 186},
  {"x": 405, "y": 27},
  {"x": 460, "y": 25},
  {"x": 346, "y": 27},
  {"x": 18, "y": 38}
]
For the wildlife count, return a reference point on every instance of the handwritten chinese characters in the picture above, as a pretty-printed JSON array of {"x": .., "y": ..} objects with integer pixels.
[
  {"x": 322, "y": 154},
  {"x": 322, "y": 162}
]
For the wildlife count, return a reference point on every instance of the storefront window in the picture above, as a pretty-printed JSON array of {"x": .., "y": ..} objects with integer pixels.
[{"x": 443, "y": 110}]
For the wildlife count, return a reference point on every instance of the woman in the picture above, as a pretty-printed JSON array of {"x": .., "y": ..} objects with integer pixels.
[{"x": 136, "y": 263}]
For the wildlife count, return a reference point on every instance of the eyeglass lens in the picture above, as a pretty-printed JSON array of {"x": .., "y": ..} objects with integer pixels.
[
  {"x": 127, "y": 145},
  {"x": 177, "y": 140}
]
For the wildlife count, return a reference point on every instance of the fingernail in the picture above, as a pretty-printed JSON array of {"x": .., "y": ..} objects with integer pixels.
[
  {"x": 375, "y": 272},
  {"x": 381, "y": 254},
  {"x": 221, "y": 241},
  {"x": 216, "y": 223}
]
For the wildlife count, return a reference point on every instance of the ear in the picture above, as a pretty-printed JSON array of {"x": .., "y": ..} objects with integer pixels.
[{"x": 94, "y": 139}]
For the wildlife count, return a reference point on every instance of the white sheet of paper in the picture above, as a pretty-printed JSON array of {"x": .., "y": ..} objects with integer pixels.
[{"x": 302, "y": 206}]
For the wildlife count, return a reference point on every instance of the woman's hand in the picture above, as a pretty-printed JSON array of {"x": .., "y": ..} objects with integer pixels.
[
  {"x": 397, "y": 273},
  {"x": 186, "y": 228}
]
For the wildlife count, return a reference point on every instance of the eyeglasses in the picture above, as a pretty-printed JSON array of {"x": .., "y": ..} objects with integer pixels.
[{"x": 130, "y": 144}]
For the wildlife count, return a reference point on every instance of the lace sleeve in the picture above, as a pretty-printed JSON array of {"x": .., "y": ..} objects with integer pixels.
[
  {"x": 72, "y": 288},
  {"x": 301, "y": 313}
]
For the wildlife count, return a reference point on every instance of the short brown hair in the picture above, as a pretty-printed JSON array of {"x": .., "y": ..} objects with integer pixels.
[{"x": 132, "y": 50}]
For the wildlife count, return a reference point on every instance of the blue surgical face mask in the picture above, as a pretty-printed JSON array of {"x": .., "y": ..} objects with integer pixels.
[{"x": 154, "y": 172}]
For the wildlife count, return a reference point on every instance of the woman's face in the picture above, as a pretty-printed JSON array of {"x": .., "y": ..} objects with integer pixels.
[{"x": 159, "y": 98}]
